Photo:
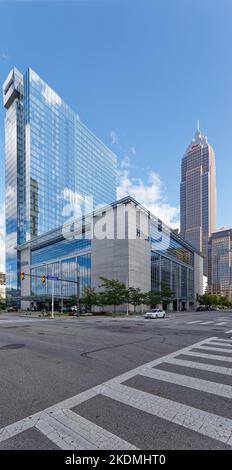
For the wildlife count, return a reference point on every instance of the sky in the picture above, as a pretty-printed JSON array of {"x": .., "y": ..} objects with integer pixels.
[{"x": 139, "y": 73}]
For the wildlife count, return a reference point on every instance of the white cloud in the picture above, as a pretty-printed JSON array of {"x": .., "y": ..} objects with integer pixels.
[
  {"x": 133, "y": 151},
  {"x": 4, "y": 56},
  {"x": 2, "y": 238},
  {"x": 114, "y": 137},
  {"x": 126, "y": 163},
  {"x": 150, "y": 194}
]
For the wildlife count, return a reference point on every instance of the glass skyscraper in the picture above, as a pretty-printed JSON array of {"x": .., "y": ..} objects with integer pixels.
[
  {"x": 220, "y": 263},
  {"x": 198, "y": 195},
  {"x": 53, "y": 162}
]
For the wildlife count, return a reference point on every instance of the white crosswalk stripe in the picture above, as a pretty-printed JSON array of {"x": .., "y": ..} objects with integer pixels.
[
  {"x": 195, "y": 419},
  {"x": 68, "y": 430},
  {"x": 211, "y": 348},
  {"x": 191, "y": 382},
  {"x": 222, "y": 340},
  {"x": 195, "y": 321},
  {"x": 220, "y": 343},
  {"x": 209, "y": 356},
  {"x": 23, "y": 320},
  {"x": 201, "y": 366},
  {"x": 230, "y": 331},
  {"x": 208, "y": 322}
]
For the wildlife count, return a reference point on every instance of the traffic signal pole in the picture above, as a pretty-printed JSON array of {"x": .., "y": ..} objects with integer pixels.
[
  {"x": 44, "y": 278},
  {"x": 52, "y": 298}
]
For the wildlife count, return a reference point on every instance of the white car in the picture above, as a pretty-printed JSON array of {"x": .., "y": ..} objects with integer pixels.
[
  {"x": 74, "y": 308},
  {"x": 155, "y": 313}
]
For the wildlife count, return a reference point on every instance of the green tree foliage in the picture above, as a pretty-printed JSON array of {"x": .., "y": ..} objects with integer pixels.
[
  {"x": 213, "y": 299},
  {"x": 166, "y": 294},
  {"x": 135, "y": 296},
  {"x": 152, "y": 298},
  {"x": 72, "y": 301},
  {"x": 115, "y": 292},
  {"x": 2, "y": 303},
  {"x": 90, "y": 296}
]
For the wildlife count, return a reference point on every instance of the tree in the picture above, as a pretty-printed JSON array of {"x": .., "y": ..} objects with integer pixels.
[
  {"x": 135, "y": 296},
  {"x": 90, "y": 297},
  {"x": 152, "y": 298},
  {"x": 115, "y": 292},
  {"x": 72, "y": 301},
  {"x": 209, "y": 299},
  {"x": 167, "y": 294},
  {"x": 2, "y": 303}
]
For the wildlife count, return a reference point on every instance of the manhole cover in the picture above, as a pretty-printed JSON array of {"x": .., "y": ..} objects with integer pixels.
[{"x": 12, "y": 346}]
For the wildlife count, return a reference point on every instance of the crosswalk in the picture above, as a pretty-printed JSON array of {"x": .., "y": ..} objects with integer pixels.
[
  {"x": 209, "y": 322},
  {"x": 183, "y": 321},
  {"x": 212, "y": 357},
  {"x": 5, "y": 321}
]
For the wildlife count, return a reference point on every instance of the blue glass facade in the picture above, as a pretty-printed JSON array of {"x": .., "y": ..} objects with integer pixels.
[
  {"x": 53, "y": 162},
  {"x": 69, "y": 260},
  {"x": 170, "y": 260},
  {"x": 76, "y": 268},
  {"x": 172, "y": 263}
]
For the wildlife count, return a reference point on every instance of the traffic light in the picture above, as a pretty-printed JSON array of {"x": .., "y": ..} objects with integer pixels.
[
  {"x": 43, "y": 279},
  {"x": 22, "y": 275}
]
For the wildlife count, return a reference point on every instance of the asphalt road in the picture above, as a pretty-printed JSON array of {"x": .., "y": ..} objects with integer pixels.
[{"x": 89, "y": 383}]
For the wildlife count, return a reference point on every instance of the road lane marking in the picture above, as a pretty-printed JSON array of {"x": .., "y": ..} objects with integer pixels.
[
  {"x": 195, "y": 321},
  {"x": 45, "y": 419},
  {"x": 222, "y": 340},
  {"x": 68, "y": 430},
  {"x": 203, "y": 422},
  {"x": 211, "y": 348},
  {"x": 206, "y": 322},
  {"x": 191, "y": 382},
  {"x": 230, "y": 331},
  {"x": 221, "y": 323},
  {"x": 201, "y": 366},
  {"x": 209, "y": 356},
  {"x": 217, "y": 343}
]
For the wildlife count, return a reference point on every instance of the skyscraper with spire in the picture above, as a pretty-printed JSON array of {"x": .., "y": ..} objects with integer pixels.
[{"x": 198, "y": 194}]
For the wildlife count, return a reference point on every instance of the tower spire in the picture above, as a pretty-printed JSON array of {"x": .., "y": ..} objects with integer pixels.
[{"x": 198, "y": 125}]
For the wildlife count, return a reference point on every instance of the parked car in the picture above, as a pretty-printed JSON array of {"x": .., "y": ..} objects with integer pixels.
[
  {"x": 12, "y": 309},
  {"x": 155, "y": 313},
  {"x": 74, "y": 308},
  {"x": 73, "y": 313}
]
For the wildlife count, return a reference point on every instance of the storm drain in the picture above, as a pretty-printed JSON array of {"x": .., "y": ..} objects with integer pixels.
[{"x": 11, "y": 346}]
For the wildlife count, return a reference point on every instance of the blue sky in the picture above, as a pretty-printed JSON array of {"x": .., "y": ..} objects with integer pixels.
[{"x": 139, "y": 74}]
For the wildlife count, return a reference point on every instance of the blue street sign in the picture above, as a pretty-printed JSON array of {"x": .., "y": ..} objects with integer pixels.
[{"x": 52, "y": 278}]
